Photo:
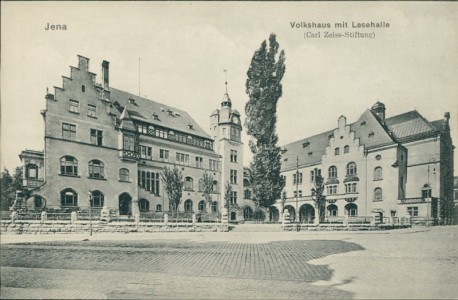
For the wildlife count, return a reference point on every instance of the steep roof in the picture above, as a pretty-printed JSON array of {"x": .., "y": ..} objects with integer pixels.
[
  {"x": 144, "y": 110},
  {"x": 371, "y": 131},
  {"x": 410, "y": 126},
  {"x": 308, "y": 150}
]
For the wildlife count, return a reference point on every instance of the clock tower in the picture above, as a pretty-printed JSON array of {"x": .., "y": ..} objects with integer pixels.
[{"x": 225, "y": 129}]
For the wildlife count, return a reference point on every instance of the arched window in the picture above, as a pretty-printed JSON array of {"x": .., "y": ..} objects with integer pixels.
[
  {"x": 201, "y": 205},
  {"x": 83, "y": 88},
  {"x": 336, "y": 151},
  {"x": 188, "y": 205},
  {"x": 332, "y": 210},
  {"x": 351, "y": 169},
  {"x": 378, "y": 174},
  {"x": 97, "y": 199},
  {"x": 143, "y": 205},
  {"x": 346, "y": 149},
  {"x": 68, "y": 198},
  {"x": 247, "y": 213},
  {"x": 378, "y": 194},
  {"x": 214, "y": 207},
  {"x": 68, "y": 166},
  {"x": 158, "y": 207},
  {"x": 351, "y": 210},
  {"x": 332, "y": 172},
  {"x": 31, "y": 171},
  {"x": 188, "y": 183},
  {"x": 96, "y": 169},
  {"x": 124, "y": 175}
]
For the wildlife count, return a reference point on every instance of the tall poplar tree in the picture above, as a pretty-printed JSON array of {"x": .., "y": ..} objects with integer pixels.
[{"x": 264, "y": 89}]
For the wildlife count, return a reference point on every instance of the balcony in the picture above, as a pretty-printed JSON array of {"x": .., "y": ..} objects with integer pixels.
[{"x": 32, "y": 182}]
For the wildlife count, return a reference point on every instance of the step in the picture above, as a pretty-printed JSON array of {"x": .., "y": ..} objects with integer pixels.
[{"x": 256, "y": 228}]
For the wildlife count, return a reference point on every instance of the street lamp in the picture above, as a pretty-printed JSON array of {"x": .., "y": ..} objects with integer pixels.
[
  {"x": 89, "y": 198},
  {"x": 429, "y": 193}
]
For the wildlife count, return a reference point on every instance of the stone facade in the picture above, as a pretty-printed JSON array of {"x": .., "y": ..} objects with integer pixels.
[
  {"x": 376, "y": 167},
  {"x": 113, "y": 145}
]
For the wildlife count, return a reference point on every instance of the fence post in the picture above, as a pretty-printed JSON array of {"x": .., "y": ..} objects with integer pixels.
[
  {"x": 224, "y": 218},
  {"x": 137, "y": 218},
  {"x": 73, "y": 217},
  {"x": 193, "y": 218},
  {"x": 44, "y": 216},
  {"x": 166, "y": 218},
  {"x": 373, "y": 215},
  {"x": 105, "y": 214},
  {"x": 13, "y": 216},
  {"x": 407, "y": 219},
  {"x": 345, "y": 222},
  {"x": 286, "y": 219}
]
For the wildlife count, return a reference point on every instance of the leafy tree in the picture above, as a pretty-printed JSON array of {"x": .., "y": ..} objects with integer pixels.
[
  {"x": 227, "y": 195},
  {"x": 207, "y": 188},
  {"x": 318, "y": 197},
  {"x": 264, "y": 89},
  {"x": 9, "y": 186},
  {"x": 173, "y": 185}
]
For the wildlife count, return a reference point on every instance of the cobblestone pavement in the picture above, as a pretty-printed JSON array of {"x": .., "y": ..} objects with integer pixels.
[{"x": 248, "y": 265}]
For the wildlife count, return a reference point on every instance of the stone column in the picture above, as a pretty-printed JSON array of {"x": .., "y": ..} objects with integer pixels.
[
  {"x": 135, "y": 209},
  {"x": 73, "y": 217},
  {"x": 285, "y": 220},
  {"x": 373, "y": 215},
  {"x": 105, "y": 214},
  {"x": 44, "y": 216},
  {"x": 193, "y": 218},
  {"x": 224, "y": 217},
  {"x": 13, "y": 216},
  {"x": 166, "y": 218}
]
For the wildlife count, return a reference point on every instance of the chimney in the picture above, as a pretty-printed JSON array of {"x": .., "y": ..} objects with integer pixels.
[
  {"x": 379, "y": 110},
  {"x": 105, "y": 74},
  {"x": 446, "y": 118},
  {"x": 83, "y": 63}
]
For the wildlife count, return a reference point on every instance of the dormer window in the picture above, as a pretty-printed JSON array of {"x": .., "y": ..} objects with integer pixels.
[
  {"x": 190, "y": 126},
  {"x": 132, "y": 101},
  {"x": 155, "y": 116},
  {"x": 305, "y": 144},
  {"x": 83, "y": 88},
  {"x": 169, "y": 112},
  {"x": 310, "y": 153},
  {"x": 363, "y": 123},
  {"x": 371, "y": 135}
]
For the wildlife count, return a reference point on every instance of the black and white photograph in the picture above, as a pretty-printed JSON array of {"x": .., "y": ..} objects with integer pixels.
[{"x": 229, "y": 150}]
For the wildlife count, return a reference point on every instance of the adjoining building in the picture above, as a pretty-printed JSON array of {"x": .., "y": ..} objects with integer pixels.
[
  {"x": 376, "y": 166},
  {"x": 114, "y": 145}
]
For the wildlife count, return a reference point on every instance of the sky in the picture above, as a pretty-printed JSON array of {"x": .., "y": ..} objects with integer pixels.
[{"x": 185, "y": 46}]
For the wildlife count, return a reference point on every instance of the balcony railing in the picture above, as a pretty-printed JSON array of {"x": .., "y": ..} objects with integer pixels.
[{"x": 32, "y": 182}]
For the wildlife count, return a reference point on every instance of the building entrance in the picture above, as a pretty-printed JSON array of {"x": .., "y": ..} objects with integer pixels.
[{"x": 125, "y": 204}]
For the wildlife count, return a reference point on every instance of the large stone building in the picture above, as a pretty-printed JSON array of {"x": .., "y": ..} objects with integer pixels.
[
  {"x": 376, "y": 166},
  {"x": 114, "y": 145}
]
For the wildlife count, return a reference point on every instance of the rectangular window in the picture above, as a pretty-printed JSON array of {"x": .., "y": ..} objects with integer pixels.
[
  {"x": 213, "y": 165},
  {"x": 199, "y": 162},
  {"x": 233, "y": 156},
  {"x": 68, "y": 131},
  {"x": 297, "y": 178},
  {"x": 233, "y": 177},
  {"x": 412, "y": 211},
  {"x": 74, "y": 106},
  {"x": 129, "y": 143},
  {"x": 233, "y": 197},
  {"x": 96, "y": 137},
  {"x": 92, "y": 110},
  {"x": 150, "y": 181},
  {"x": 164, "y": 155},
  {"x": 331, "y": 189},
  {"x": 315, "y": 172},
  {"x": 182, "y": 159},
  {"x": 350, "y": 188},
  {"x": 146, "y": 152},
  {"x": 142, "y": 129}
]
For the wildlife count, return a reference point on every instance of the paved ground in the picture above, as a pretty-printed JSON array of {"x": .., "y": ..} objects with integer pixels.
[{"x": 249, "y": 265}]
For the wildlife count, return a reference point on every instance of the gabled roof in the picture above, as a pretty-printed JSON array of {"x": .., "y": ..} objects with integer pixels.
[
  {"x": 142, "y": 109},
  {"x": 370, "y": 131},
  {"x": 410, "y": 126},
  {"x": 308, "y": 150}
]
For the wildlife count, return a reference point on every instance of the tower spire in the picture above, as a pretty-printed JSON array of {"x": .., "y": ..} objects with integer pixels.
[
  {"x": 225, "y": 72},
  {"x": 226, "y": 100}
]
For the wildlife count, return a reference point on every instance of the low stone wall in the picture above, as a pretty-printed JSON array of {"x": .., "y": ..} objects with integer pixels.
[
  {"x": 51, "y": 227},
  {"x": 340, "y": 227}
]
